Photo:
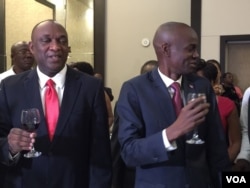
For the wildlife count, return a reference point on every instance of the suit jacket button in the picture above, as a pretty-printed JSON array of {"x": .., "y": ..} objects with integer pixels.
[{"x": 155, "y": 158}]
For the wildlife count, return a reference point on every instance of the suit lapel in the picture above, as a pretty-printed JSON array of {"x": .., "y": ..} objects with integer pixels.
[
  {"x": 71, "y": 90},
  {"x": 163, "y": 96},
  {"x": 162, "y": 93},
  {"x": 33, "y": 97},
  {"x": 33, "y": 100}
]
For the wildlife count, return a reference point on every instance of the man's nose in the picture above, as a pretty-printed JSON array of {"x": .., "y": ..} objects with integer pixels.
[
  {"x": 54, "y": 45},
  {"x": 196, "y": 54}
]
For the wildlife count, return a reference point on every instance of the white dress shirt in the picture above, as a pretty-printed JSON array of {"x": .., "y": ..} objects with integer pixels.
[
  {"x": 245, "y": 146},
  {"x": 59, "y": 80},
  {"x": 7, "y": 73},
  {"x": 168, "y": 81}
]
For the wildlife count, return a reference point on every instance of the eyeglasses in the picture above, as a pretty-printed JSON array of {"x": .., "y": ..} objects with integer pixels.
[{"x": 23, "y": 52}]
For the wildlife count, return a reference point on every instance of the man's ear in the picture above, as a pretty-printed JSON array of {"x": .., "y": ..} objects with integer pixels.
[
  {"x": 31, "y": 47},
  {"x": 166, "y": 49}
]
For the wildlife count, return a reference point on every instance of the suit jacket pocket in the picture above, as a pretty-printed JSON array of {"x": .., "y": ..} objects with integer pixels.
[{"x": 149, "y": 185}]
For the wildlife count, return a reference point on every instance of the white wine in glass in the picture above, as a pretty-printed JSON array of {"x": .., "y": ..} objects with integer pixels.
[
  {"x": 30, "y": 120},
  {"x": 195, "y": 137}
]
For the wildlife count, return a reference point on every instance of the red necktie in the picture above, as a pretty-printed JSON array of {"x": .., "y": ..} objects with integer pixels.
[
  {"x": 177, "y": 97},
  {"x": 51, "y": 107}
]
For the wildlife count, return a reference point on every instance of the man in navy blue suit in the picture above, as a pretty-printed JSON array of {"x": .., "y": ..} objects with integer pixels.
[
  {"x": 78, "y": 155},
  {"x": 153, "y": 136}
]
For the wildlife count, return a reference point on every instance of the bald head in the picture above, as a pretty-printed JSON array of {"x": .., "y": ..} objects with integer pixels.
[
  {"x": 17, "y": 45},
  {"x": 21, "y": 57},
  {"x": 168, "y": 32},
  {"x": 148, "y": 66},
  {"x": 40, "y": 24},
  {"x": 175, "y": 46}
]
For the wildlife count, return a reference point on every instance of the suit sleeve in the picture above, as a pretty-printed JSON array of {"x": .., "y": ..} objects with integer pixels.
[
  {"x": 118, "y": 166},
  {"x": 217, "y": 154},
  {"x": 137, "y": 148},
  {"x": 101, "y": 167},
  {"x": 5, "y": 126}
]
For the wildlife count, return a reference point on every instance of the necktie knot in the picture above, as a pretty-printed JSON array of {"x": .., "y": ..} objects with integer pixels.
[
  {"x": 175, "y": 86},
  {"x": 50, "y": 83}
]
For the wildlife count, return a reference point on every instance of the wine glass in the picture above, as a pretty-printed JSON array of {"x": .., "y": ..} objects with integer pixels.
[
  {"x": 30, "y": 120},
  {"x": 195, "y": 137}
]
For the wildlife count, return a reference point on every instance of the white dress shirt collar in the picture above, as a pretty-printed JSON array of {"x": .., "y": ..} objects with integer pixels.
[
  {"x": 59, "y": 78},
  {"x": 168, "y": 81}
]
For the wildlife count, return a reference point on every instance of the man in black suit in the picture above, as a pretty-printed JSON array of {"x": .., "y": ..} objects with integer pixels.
[
  {"x": 153, "y": 133},
  {"x": 78, "y": 155}
]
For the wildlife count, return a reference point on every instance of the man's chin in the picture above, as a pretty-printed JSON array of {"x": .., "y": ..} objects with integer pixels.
[{"x": 190, "y": 71}]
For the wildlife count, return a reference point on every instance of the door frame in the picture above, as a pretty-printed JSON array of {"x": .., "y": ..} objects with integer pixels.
[{"x": 224, "y": 40}]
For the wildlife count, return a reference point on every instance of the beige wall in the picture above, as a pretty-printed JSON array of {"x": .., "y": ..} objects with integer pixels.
[
  {"x": 222, "y": 17},
  {"x": 77, "y": 17},
  {"x": 79, "y": 25},
  {"x": 21, "y": 16},
  {"x": 128, "y": 22}
]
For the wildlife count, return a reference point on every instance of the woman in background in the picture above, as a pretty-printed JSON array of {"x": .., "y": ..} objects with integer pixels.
[{"x": 228, "y": 111}]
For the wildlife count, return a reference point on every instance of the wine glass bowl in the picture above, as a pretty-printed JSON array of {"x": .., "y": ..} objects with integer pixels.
[
  {"x": 30, "y": 120},
  {"x": 195, "y": 137},
  {"x": 203, "y": 96}
]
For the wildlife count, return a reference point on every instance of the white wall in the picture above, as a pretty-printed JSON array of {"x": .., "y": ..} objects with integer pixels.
[
  {"x": 128, "y": 22},
  {"x": 222, "y": 17}
]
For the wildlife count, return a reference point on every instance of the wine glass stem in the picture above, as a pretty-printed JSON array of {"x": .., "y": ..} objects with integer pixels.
[
  {"x": 32, "y": 149},
  {"x": 195, "y": 133}
]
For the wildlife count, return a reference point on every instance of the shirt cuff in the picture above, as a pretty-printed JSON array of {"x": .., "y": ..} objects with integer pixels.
[
  {"x": 14, "y": 158},
  {"x": 243, "y": 155},
  {"x": 169, "y": 146}
]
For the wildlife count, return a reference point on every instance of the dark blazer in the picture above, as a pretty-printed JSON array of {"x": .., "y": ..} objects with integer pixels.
[
  {"x": 79, "y": 155},
  {"x": 123, "y": 176},
  {"x": 145, "y": 108}
]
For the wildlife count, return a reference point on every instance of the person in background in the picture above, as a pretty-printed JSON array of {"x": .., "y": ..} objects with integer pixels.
[
  {"x": 218, "y": 88},
  {"x": 87, "y": 68},
  {"x": 21, "y": 59},
  {"x": 228, "y": 111},
  {"x": 228, "y": 81},
  {"x": 77, "y": 152},
  {"x": 148, "y": 66},
  {"x": 243, "y": 159},
  {"x": 82, "y": 66},
  {"x": 229, "y": 90},
  {"x": 153, "y": 133},
  {"x": 124, "y": 176},
  {"x": 107, "y": 89},
  {"x": 218, "y": 66}
]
